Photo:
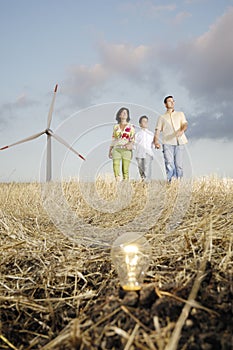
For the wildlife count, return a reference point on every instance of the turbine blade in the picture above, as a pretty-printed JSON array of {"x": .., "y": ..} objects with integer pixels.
[
  {"x": 51, "y": 107},
  {"x": 24, "y": 140},
  {"x": 59, "y": 139}
]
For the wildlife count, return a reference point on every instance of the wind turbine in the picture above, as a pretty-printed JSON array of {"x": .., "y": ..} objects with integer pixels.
[{"x": 49, "y": 134}]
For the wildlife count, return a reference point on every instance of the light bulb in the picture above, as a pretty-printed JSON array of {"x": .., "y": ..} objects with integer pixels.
[{"x": 131, "y": 255}]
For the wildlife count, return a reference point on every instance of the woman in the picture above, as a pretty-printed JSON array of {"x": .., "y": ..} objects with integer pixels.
[{"x": 122, "y": 144}]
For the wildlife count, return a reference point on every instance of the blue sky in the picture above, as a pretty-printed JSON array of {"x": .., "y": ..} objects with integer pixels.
[{"x": 128, "y": 52}]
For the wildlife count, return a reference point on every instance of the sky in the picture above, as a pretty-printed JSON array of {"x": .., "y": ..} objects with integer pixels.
[{"x": 107, "y": 54}]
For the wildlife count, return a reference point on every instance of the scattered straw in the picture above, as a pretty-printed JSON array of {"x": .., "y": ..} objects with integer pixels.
[{"x": 57, "y": 293}]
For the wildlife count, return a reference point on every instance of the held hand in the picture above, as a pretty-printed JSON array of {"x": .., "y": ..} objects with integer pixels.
[
  {"x": 110, "y": 154},
  {"x": 179, "y": 133},
  {"x": 129, "y": 146},
  {"x": 157, "y": 145}
]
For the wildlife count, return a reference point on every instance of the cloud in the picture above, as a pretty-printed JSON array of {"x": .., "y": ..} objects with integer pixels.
[
  {"x": 147, "y": 8},
  {"x": 123, "y": 58},
  {"x": 180, "y": 17},
  {"x": 22, "y": 101},
  {"x": 84, "y": 83},
  {"x": 203, "y": 67},
  {"x": 9, "y": 110},
  {"x": 190, "y": 2},
  {"x": 156, "y": 9},
  {"x": 206, "y": 63},
  {"x": 216, "y": 126}
]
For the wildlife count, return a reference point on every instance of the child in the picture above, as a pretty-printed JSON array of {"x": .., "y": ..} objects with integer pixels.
[{"x": 143, "y": 149}]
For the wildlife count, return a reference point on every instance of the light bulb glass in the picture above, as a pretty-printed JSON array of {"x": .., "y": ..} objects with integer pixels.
[{"x": 131, "y": 255}]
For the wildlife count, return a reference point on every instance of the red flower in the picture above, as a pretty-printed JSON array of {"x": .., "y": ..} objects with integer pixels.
[
  {"x": 127, "y": 129},
  {"x": 125, "y": 136}
]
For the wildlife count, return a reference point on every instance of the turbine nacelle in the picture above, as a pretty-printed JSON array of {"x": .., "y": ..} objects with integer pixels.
[{"x": 49, "y": 132}]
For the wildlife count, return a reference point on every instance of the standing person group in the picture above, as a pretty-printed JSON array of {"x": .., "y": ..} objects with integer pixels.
[{"x": 171, "y": 124}]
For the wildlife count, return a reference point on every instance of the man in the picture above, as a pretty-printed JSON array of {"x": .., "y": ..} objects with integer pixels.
[
  {"x": 172, "y": 124},
  {"x": 143, "y": 149}
]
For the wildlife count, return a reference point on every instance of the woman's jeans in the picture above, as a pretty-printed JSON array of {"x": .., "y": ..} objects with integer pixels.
[
  {"x": 173, "y": 158},
  {"x": 144, "y": 167},
  {"x": 121, "y": 155}
]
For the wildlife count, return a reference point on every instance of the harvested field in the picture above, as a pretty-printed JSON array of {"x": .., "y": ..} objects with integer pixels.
[{"x": 57, "y": 292}]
